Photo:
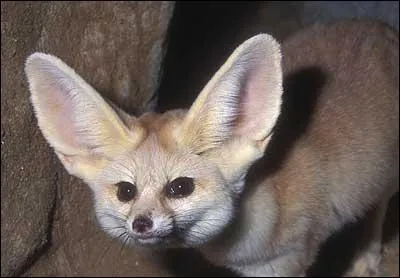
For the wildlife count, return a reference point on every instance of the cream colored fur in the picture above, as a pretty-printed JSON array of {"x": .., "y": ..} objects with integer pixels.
[{"x": 262, "y": 203}]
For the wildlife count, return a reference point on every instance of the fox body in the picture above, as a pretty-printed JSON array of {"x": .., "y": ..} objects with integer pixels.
[{"x": 283, "y": 146}]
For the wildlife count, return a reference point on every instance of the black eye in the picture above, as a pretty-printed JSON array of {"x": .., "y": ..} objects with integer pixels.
[
  {"x": 126, "y": 191},
  {"x": 179, "y": 187}
]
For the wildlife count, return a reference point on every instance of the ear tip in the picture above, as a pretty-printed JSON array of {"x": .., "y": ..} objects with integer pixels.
[
  {"x": 36, "y": 57},
  {"x": 267, "y": 40}
]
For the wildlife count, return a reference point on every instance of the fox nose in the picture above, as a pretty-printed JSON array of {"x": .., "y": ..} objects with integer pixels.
[{"x": 142, "y": 224}]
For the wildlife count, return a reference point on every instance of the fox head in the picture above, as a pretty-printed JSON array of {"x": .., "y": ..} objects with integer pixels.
[{"x": 163, "y": 179}]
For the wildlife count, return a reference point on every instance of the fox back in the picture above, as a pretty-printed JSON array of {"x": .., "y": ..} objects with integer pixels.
[{"x": 283, "y": 146}]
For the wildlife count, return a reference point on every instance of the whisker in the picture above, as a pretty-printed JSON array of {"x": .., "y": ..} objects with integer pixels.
[
  {"x": 193, "y": 236},
  {"x": 197, "y": 220},
  {"x": 112, "y": 212},
  {"x": 113, "y": 228},
  {"x": 122, "y": 234},
  {"x": 112, "y": 215},
  {"x": 124, "y": 241},
  {"x": 201, "y": 233},
  {"x": 114, "y": 218}
]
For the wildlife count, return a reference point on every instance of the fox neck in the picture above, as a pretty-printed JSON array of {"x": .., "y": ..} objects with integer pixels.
[{"x": 255, "y": 218}]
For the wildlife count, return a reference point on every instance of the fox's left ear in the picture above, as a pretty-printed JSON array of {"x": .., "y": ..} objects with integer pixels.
[
  {"x": 233, "y": 117},
  {"x": 241, "y": 101}
]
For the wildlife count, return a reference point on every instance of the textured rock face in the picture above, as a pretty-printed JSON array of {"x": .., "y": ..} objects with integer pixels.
[{"x": 118, "y": 48}]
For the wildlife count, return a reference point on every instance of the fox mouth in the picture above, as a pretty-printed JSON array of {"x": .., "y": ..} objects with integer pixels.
[
  {"x": 167, "y": 241},
  {"x": 146, "y": 236},
  {"x": 149, "y": 240},
  {"x": 174, "y": 237},
  {"x": 174, "y": 234},
  {"x": 154, "y": 238}
]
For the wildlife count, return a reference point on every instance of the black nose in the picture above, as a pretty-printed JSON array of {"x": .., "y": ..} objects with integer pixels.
[{"x": 142, "y": 224}]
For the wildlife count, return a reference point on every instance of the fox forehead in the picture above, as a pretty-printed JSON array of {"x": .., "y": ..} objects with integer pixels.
[
  {"x": 157, "y": 159},
  {"x": 162, "y": 128}
]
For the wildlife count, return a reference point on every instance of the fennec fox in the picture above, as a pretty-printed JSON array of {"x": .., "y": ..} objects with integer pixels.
[{"x": 283, "y": 146}]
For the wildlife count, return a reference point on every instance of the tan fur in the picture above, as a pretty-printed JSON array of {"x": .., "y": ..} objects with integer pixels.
[{"x": 300, "y": 144}]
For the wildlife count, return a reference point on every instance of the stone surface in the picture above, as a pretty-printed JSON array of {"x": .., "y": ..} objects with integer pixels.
[{"x": 118, "y": 48}]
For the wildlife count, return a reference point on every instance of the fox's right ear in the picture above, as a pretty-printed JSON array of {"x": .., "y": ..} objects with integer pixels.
[{"x": 75, "y": 120}]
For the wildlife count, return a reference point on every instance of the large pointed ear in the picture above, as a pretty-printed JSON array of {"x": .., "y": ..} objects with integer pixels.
[
  {"x": 81, "y": 127},
  {"x": 241, "y": 101}
]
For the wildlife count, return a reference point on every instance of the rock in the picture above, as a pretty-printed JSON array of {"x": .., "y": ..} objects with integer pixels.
[{"x": 46, "y": 222}]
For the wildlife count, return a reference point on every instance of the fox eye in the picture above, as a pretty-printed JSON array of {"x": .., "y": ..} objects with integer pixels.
[
  {"x": 180, "y": 187},
  {"x": 126, "y": 191}
]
